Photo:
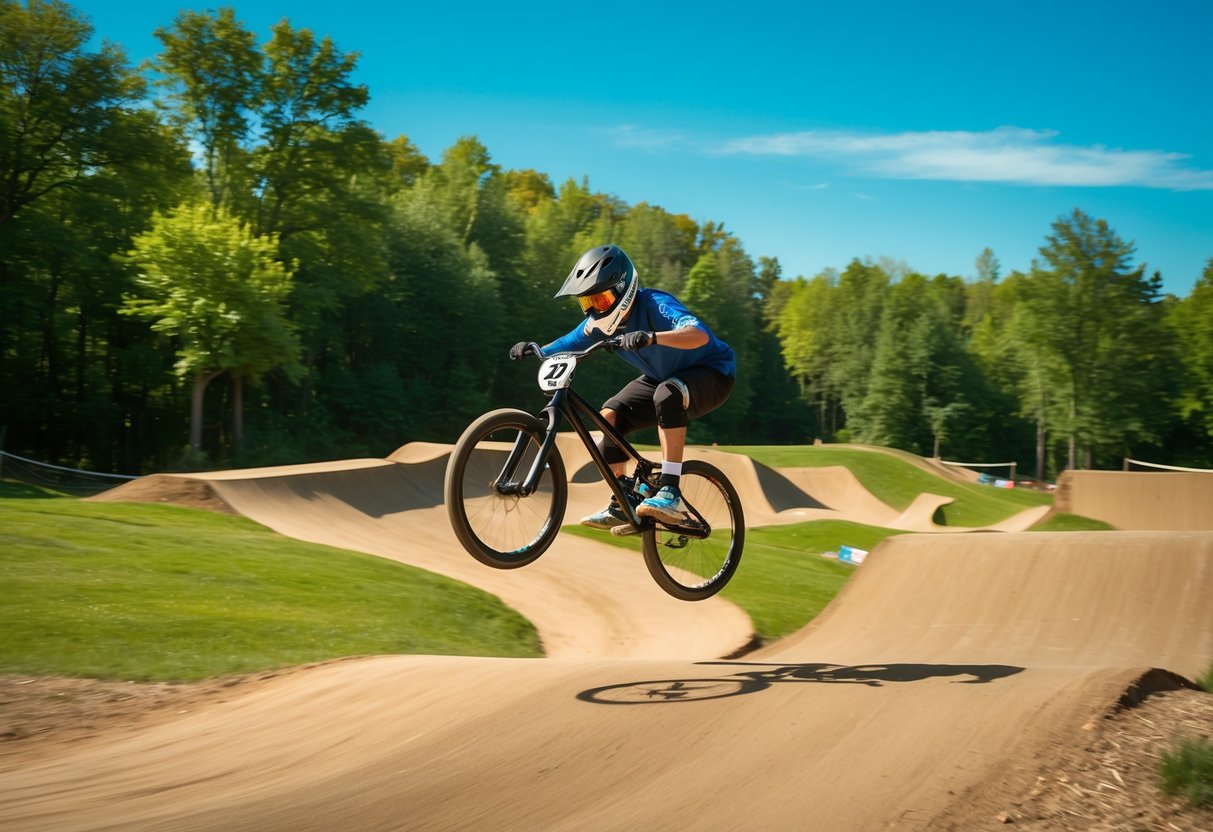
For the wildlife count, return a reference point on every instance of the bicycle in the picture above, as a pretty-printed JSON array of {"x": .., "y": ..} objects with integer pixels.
[{"x": 506, "y": 490}]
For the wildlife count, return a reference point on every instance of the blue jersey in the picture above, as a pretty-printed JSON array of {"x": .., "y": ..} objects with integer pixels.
[{"x": 657, "y": 311}]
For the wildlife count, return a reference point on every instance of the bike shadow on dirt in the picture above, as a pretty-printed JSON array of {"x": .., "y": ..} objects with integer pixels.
[{"x": 750, "y": 677}]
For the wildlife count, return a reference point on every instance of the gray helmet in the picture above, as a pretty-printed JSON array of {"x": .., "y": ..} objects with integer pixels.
[{"x": 605, "y": 284}]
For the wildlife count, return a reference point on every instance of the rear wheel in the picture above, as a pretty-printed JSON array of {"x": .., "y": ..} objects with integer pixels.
[
  {"x": 695, "y": 560},
  {"x": 494, "y": 522}
]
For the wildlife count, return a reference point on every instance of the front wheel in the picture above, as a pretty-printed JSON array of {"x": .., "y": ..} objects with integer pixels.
[
  {"x": 494, "y": 522},
  {"x": 694, "y": 561}
]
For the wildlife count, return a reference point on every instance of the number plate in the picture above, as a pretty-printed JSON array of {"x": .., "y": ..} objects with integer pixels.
[{"x": 556, "y": 372}]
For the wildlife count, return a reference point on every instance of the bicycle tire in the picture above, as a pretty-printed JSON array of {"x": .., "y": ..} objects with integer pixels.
[
  {"x": 503, "y": 530},
  {"x": 692, "y": 568}
]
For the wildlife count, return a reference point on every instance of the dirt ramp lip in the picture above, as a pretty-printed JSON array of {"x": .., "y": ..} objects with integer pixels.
[{"x": 181, "y": 490}]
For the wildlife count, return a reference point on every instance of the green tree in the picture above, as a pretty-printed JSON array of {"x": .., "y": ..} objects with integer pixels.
[
  {"x": 56, "y": 101},
  {"x": 1095, "y": 324},
  {"x": 216, "y": 289},
  {"x": 1191, "y": 322},
  {"x": 212, "y": 74},
  {"x": 855, "y": 309},
  {"x": 913, "y": 395},
  {"x": 82, "y": 165},
  {"x": 802, "y": 325},
  {"x": 662, "y": 245},
  {"x": 722, "y": 290}
]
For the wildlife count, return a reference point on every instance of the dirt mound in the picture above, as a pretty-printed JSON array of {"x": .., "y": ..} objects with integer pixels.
[{"x": 177, "y": 489}]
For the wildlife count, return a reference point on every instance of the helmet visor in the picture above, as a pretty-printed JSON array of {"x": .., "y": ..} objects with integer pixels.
[{"x": 598, "y": 302}]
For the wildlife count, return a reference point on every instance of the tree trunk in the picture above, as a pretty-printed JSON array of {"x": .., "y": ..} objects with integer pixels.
[
  {"x": 1072, "y": 459},
  {"x": 200, "y": 382},
  {"x": 1040, "y": 449},
  {"x": 237, "y": 410}
]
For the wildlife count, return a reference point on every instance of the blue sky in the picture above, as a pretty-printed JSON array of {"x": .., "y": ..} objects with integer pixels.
[{"x": 816, "y": 132}]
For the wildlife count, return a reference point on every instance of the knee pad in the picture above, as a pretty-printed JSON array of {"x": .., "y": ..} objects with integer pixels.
[{"x": 672, "y": 401}]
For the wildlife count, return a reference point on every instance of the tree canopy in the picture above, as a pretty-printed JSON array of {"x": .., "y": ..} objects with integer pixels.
[{"x": 227, "y": 212}]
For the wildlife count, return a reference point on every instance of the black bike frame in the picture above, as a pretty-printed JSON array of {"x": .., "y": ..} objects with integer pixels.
[{"x": 567, "y": 403}]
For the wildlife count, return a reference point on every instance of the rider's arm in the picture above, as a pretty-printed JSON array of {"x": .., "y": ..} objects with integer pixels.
[
  {"x": 683, "y": 338},
  {"x": 575, "y": 341}
]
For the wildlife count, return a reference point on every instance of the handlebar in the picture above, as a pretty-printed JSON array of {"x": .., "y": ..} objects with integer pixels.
[{"x": 608, "y": 344}]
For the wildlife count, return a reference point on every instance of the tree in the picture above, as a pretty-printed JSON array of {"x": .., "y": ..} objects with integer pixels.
[
  {"x": 1191, "y": 322},
  {"x": 802, "y": 325},
  {"x": 1095, "y": 323},
  {"x": 722, "y": 290},
  {"x": 216, "y": 289},
  {"x": 856, "y": 304},
  {"x": 662, "y": 245},
  {"x": 56, "y": 101},
  {"x": 82, "y": 166},
  {"x": 913, "y": 394},
  {"x": 212, "y": 73}
]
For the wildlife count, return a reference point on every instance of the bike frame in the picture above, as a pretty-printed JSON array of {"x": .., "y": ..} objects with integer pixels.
[{"x": 566, "y": 403}]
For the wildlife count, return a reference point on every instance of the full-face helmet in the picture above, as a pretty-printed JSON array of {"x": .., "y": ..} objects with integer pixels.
[{"x": 605, "y": 284}]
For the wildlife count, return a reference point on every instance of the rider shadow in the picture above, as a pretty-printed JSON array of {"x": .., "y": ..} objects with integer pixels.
[{"x": 741, "y": 682}]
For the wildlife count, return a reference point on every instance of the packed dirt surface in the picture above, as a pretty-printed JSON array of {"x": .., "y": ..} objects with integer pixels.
[
  {"x": 1174, "y": 500},
  {"x": 1108, "y": 781},
  {"x": 960, "y": 681}
]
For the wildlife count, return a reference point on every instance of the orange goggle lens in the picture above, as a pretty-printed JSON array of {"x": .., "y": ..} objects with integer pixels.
[{"x": 600, "y": 302}]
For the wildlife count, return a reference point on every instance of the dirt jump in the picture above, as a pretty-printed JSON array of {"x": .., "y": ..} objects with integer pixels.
[{"x": 928, "y": 692}]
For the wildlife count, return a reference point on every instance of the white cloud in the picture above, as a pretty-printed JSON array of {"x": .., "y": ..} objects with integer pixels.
[
  {"x": 631, "y": 136},
  {"x": 1007, "y": 154}
]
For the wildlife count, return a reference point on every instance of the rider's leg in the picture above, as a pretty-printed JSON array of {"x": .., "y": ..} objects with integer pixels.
[
  {"x": 671, "y": 401},
  {"x": 617, "y": 468},
  {"x": 673, "y": 446},
  {"x": 612, "y": 515},
  {"x": 676, "y": 401}
]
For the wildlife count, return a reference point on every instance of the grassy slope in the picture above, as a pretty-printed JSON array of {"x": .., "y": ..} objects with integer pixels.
[{"x": 132, "y": 591}]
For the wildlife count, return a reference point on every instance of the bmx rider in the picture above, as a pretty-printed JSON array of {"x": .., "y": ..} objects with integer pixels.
[{"x": 686, "y": 371}]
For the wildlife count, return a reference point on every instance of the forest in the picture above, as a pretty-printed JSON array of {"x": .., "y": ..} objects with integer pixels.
[{"x": 213, "y": 261}]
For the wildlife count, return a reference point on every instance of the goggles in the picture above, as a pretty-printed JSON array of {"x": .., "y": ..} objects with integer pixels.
[{"x": 598, "y": 302}]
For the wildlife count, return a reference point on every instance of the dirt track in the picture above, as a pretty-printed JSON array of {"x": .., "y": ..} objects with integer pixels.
[{"x": 948, "y": 671}]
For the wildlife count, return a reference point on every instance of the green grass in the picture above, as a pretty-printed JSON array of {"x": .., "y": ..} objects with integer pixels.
[
  {"x": 1187, "y": 771},
  {"x": 153, "y": 592},
  {"x": 897, "y": 482},
  {"x": 1063, "y": 522},
  {"x": 783, "y": 581}
]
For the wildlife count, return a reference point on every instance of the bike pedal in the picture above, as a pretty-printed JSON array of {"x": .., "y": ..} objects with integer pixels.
[{"x": 625, "y": 530}]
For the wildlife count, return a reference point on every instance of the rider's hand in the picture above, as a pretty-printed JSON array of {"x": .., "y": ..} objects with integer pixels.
[
  {"x": 636, "y": 340},
  {"x": 523, "y": 348}
]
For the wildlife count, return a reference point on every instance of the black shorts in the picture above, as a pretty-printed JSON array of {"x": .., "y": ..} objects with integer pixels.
[{"x": 672, "y": 403}]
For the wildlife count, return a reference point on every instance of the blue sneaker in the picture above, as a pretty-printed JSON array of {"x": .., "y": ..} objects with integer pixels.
[
  {"x": 607, "y": 519},
  {"x": 665, "y": 506}
]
